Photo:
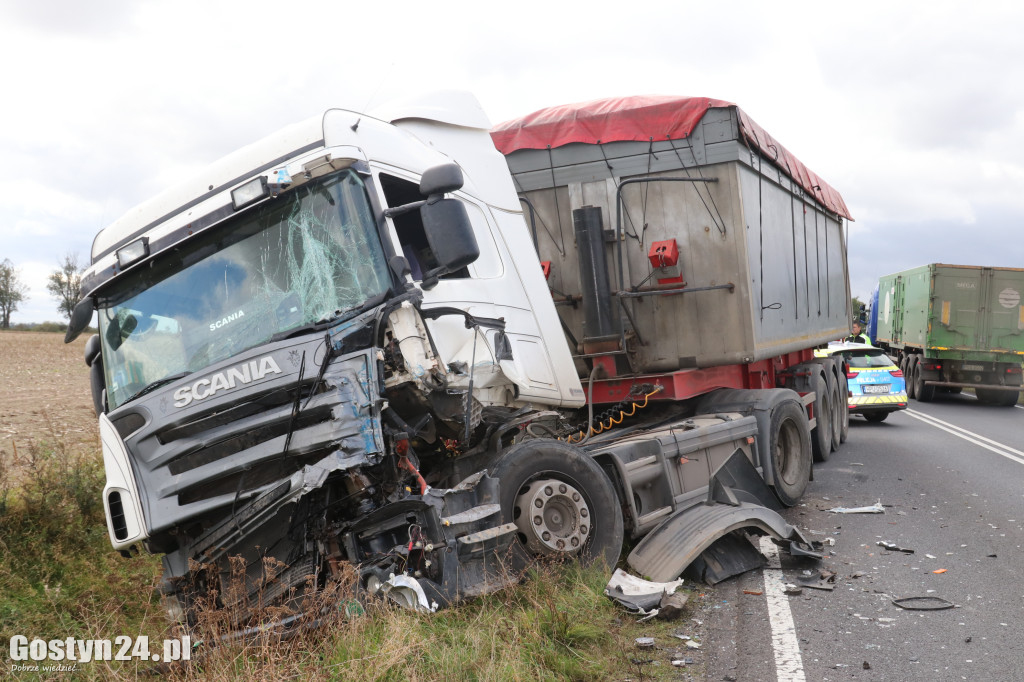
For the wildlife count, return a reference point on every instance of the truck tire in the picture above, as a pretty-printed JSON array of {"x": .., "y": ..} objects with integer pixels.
[
  {"x": 821, "y": 435},
  {"x": 838, "y": 407},
  {"x": 910, "y": 376},
  {"x": 923, "y": 392},
  {"x": 552, "y": 473},
  {"x": 844, "y": 400},
  {"x": 789, "y": 446},
  {"x": 996, "y": 397}
]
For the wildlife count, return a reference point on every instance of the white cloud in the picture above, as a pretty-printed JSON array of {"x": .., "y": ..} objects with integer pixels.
[{"x": 912, "y": 110}]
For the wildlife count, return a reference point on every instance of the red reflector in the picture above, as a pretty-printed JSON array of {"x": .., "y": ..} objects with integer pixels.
[
  {"x": 545, "y": 266},
  {"x": 851, "y": 375},
  {"x": 1013, "y": 370},
  {"x": 896, "y": 372}
]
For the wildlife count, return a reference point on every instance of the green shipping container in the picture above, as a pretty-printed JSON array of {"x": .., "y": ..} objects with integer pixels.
[
  {"x": 959, "y": 312},
  {"x": 952, "y": 327}
]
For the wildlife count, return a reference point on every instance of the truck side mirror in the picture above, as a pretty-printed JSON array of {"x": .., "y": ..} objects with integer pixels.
[
  {"x": 441, "y": 179},
  {"x": 446, "y": 222}
]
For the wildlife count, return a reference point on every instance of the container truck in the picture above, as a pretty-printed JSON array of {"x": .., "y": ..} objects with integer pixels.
[
  {"x": 952, "y": 327},
  {"x": 345, "y": 345}
]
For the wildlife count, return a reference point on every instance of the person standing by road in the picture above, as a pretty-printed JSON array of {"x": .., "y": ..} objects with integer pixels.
[{"x": 858, "y": 336}]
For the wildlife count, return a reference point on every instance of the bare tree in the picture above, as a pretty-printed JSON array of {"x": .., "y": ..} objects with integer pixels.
[
  {"x": 65, "y": 284},
  {"x": 12, "y": 292}
]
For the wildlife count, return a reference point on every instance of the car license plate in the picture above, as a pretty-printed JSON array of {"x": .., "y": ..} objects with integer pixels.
[
  {"x": 876, "y": 388},
  {"x": 973, "y": 368}
]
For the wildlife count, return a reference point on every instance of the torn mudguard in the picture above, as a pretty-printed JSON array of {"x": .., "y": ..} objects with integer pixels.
[{"x": 737, "y": 498}]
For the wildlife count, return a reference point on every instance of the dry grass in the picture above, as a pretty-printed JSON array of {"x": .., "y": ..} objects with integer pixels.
[{"x": 60, "y": 578}]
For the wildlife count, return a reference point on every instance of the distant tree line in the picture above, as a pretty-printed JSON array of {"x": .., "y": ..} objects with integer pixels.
[{"x": 64, "y": 284}]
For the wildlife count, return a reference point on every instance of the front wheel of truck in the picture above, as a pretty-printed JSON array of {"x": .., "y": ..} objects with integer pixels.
[{"x": 563, "y": 504}]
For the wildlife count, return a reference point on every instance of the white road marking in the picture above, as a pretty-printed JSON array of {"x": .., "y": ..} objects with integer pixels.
[
  {"x": 987, "y": 443},
  {"x": 789, "y": 666}
]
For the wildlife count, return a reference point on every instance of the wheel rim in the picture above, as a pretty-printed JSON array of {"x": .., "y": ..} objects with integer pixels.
[
  {"x": 786, "y": 455},
  {"x": 552, "y": 517}
]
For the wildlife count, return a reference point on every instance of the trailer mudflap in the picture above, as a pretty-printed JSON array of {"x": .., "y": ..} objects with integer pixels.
[{"x": 736, "y": 500}]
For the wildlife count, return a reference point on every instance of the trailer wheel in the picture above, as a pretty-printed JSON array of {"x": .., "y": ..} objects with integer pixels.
[
  {"x": 923, "y": 392},
  {"x": 838, "y": 406},
  {"x": 562, "y": 503},
  {"x": 844, "y": 400},
  {"x": 790, "y": 447},
  {"x": 995, "y": 397},
  {"x": 821, "y": 436},
  {"x": 910, "y": 376}
]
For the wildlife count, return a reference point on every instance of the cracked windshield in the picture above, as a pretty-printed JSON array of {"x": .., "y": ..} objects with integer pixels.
[{"x": 293, "y": 261}]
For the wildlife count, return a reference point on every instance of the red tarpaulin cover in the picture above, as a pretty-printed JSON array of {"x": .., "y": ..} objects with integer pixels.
[{"x": 643, "y": 118}]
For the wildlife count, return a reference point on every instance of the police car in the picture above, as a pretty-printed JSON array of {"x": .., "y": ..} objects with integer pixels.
[{"x": 876, "y": 384}]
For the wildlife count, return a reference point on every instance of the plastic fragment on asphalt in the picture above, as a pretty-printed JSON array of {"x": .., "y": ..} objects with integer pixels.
[
  {"x": 931, "y": 556},
  {"x": 894, "y": 548},
  {"x": 941, "y": 570},
  {"x": 873, "y": 509},
  {"x": 923, "y": 603},
  {"x": 756, "y": 593}
]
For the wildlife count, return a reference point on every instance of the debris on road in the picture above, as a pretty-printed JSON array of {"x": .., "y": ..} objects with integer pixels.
[
  {"x": 756, "y": 593},
  {"x": 873, "y": 509},
  {"x": 671, "y": 606},
  {"x": 792, "y": 590},
  {"x": 941, "y": 570},
  {"x": 894, "y": 548},
  {"x": 644, "y": 642},
  {"x": 923, "y": 603},
  {"x": 636, "y": 594},
  {"x": 825, "y": 580}
]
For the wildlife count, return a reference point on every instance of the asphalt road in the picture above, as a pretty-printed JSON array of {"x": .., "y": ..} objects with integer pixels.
[{"x": 949, "y": 475}]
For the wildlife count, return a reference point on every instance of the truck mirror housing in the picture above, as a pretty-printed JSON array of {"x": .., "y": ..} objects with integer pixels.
[
  {"x": 450, "y": 235},
  {"x": 441, "y": 179}
]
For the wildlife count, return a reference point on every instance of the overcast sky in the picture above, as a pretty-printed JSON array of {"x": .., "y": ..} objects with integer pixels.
[{"x": 914, "y": 111}]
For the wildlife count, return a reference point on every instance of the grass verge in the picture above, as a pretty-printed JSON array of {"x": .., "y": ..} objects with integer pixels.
[{"x": 59, "y": 578}]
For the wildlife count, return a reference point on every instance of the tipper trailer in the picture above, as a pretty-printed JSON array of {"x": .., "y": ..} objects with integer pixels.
[
  {"x": 338, "y": 346},
  {"x": 952, "y": 327}
]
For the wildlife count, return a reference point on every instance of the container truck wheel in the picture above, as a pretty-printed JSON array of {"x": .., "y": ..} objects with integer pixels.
[
  {"x": 821, "y": 436},
  {"x": 562, "y": 503},
  {"x": 910, "y": 376},
  {"x": 995, "y": 397},
  {"x": 789, "y": 442},
  {"x": 922, "y": 391}
]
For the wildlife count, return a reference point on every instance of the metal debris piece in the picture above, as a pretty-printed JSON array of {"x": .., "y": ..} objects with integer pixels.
[
  {"x": 756, "y": 593},
  {"x": 680, "y": 662},
  {"x": 645, "y": 642},
  {"x": 873, "y": 509},
  {"x": 923, "y": 603},
  {"x": 894, "y": 548},
  {"x": 792, "y": 590},
  {"x": 636, "y": 594}
]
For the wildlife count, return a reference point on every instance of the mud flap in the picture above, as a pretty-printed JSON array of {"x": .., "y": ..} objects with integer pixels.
[{"x": 736, "y": 500}]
